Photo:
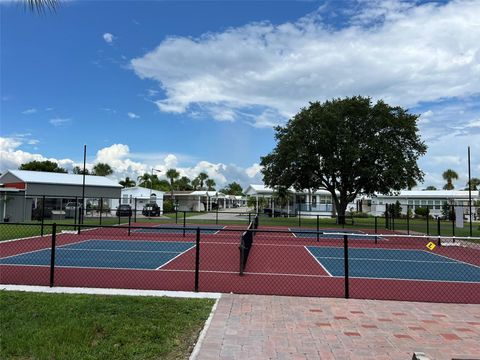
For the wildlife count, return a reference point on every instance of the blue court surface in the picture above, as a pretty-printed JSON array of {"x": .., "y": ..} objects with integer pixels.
[
  {"x": 394, "y": 264},
  {"x": 178, "y": 229},
  {"x": 312, "y": 233},
  {"x": 113, "y": 254}
]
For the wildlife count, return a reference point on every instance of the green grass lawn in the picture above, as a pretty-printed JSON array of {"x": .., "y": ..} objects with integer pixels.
[
  {"x": 61, "y": 326},
  {"x": 16, "y": 231}
]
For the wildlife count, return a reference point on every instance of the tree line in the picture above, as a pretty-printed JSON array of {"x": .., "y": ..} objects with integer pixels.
[
  {"x": 450, "y": 175},
  {"x": 99, "y": 169}
]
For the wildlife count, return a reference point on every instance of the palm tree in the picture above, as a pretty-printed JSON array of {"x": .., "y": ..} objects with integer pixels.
[
  {"x": 195, "y": 183},
  {"x": 474, "y": 183},
  {"x": 210, "y": 184},
  {"x": 172, "y": 175},
  {"x": 127, "y": 182},
  {"x": 145, "y": 180},
  {"x": 202, "y": 177},
  {"x": 183, "y": 183},
  {"x": 41, "y": 5},
  {"x": 102, "y": 169},
  {"x": 449, "y": 175}
]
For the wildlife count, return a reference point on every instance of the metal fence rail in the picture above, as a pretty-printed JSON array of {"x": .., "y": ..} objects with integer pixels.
[{"x": 204, "y": 257}]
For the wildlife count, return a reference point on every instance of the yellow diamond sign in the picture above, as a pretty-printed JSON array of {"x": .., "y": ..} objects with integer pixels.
[{"x": 431, "y": 246}]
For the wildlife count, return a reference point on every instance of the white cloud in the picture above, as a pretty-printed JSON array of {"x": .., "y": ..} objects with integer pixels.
[
  {"x": 406, "y": 58},
  {"x": 253, "y": 170},
  {"x": 33, "y": 142},
  {"x": 119, "y": 157},
  {"x": 108, "y": 38},
  {"x": 59, "y": 121},
  {"x": 132, "y": 115},
  {"x": 30, "y": 111}
]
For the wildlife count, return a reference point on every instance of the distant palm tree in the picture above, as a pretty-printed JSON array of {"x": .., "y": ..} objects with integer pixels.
[
  {"x": 102, "y": 169},
  {"x": 202, "y": 177},
  {"x": 183, "y": 183},
  {"x": 172, "y": 175},
  {"x": 41, "y": 5},
  {"x": 474, "y": 183},
  {"x": 449, "y": 175},
  {"x": 196, "y": 183},
  {"x": 127, "y": 182},
  {"x": 210, "y": 184},
  {"x": 145, "y": 180}
]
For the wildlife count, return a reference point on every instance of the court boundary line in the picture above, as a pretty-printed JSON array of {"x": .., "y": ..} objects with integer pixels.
[
  {"x": 318, "y": 261},
  {"x": 169, "y": 261},
  {"x": 447, "y": 257},
  {"x": 256, "y": 273}
]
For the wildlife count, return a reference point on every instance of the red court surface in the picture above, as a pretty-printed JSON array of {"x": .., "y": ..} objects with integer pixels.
[{"x": 279, "y": 264}]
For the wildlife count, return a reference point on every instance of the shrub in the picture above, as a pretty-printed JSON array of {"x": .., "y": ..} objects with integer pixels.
[
  {"x": 422, "y": 211},
  {"x": 168, "y": 206}
]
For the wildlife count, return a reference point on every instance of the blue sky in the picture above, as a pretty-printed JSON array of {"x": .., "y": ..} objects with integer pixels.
[{"x": 198, "y": 85}]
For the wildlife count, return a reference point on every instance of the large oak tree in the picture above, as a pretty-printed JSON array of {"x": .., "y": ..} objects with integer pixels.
[{"x": 347, "y": 146}]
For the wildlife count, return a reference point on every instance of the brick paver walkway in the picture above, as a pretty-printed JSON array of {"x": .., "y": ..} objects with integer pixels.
[{"x": 274, "y": 327}]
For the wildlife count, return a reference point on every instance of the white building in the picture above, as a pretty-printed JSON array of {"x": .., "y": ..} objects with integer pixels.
[
  {"x": 137, "y": 197},
  {"x": 412, "y": 199}
]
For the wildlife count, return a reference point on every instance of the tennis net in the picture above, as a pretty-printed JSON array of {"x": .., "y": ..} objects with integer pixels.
[{"x": 246, "y": 241}]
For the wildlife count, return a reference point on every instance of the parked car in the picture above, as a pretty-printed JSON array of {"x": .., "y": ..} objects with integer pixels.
[
  {"x": 151, "y": 210},
  {"x": 124, "y": 210},
  {"x": 72, "y": 209}
]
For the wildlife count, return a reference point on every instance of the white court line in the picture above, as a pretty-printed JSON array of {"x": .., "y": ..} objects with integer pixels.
[
  {"x": 446, "y": 257},
  {"x": 318, "y": 261},
  {"x": 392, "y": 260},
  {"x": 215, "y": 233},
  {"x": 158, "y": 268},
  {"x": 260, "y": 274},
  {"x": 124, "y": 251},
  {"x": 293, "y": 233}
]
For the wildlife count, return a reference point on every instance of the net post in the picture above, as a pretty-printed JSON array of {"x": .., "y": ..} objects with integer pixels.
[
  {"x": 52, "y": 255},
  {"x": 376, "y": 230},
  {"x": 101, "y": 210},
  {"x": 197, "y": 258},
  {"x": 318, "y": 228},
  {"x": 345, "y": 254},
  {"x": 43, "y": 214},
  {"x": 242, "y": 254}
]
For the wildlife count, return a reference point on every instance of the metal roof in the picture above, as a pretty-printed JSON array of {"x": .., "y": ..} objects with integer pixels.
[{"x": 40, "y": 177}]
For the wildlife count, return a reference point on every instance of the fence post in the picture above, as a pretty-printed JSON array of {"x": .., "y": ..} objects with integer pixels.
[
  {"x": 216, "y": 218},
  {"x": 184, "y": 222},
  {"x": 386, "y": 217},
  {"x": 135, "y": 213},
  {"x": 345, "y": 253},
  {"x": 197, "y": 259},
  {"x": 129, "y": 224},
  {"x": 249, "y": 217},
  {"x": 376, "y": 230},
  {"x": 43, "y": 213},
  {"x": 438, "y": 231},
  {"x": 299, "y": 218},
  {"x": 101, "y": 210},
  {"x": 176, "y": 215},
  {"x": 408, "y": 220},
  {"x": 453, "y": 222},
  {"x": 428, "y": 222},
  {"x": 76, "y": 211},
  {"x": 318, "y": 228},
  {"x": 52, "y": 255}
]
